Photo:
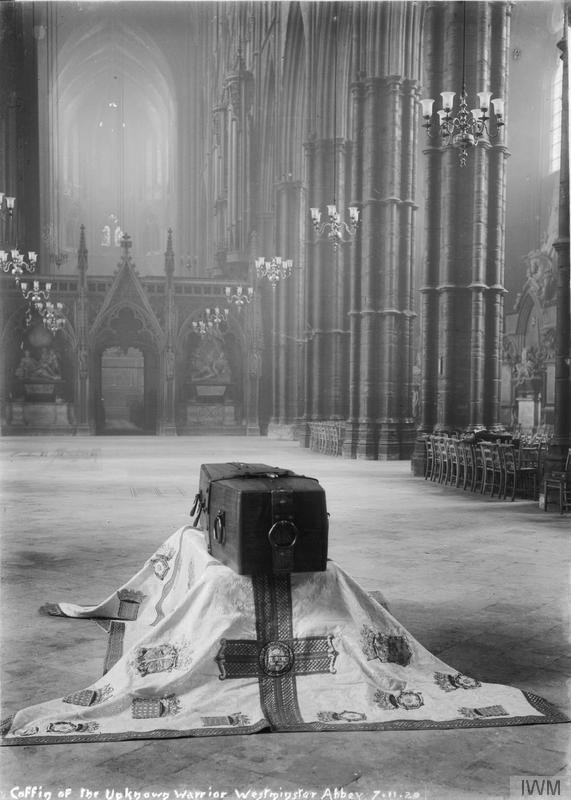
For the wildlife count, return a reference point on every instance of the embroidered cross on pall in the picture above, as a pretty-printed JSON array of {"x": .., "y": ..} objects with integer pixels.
[{"x": 275, "y": 657}]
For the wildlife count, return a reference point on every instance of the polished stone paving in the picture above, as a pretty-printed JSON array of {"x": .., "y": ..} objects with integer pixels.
[{"x": 480, "y": 582}]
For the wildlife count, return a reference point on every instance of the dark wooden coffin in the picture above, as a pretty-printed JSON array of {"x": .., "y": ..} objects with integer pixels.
[
  {"x": 262, "y": 520},
  {"x": 210, "y": 473}
]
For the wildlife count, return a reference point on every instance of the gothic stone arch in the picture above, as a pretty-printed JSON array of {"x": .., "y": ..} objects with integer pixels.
[{"x": 124, "y": 326}]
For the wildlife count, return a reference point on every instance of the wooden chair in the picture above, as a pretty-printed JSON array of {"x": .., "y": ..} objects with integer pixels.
[
  {"x": 452, "y": 470},
  {"x": 429, "y": 451},
  {"x": 527, "y": 467},
  {"x": 490, "y": 471},
  {"x": 462, "y": 463},
  {"x": 510, "y": 472},
  {"x": 561, "y": 483},
  {"x": 498, "y": 480},
  {"x": 441, "y": 462},
  {"x": 435, "y": 459},
  {"x": 478, "y": 475},
  {"x": 487, "y": 468},
  {"x": 469, "y": 465}
]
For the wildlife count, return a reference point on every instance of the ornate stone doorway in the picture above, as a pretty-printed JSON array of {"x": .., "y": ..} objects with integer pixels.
[
  {"x": 122, "y": 403},
  {"x": 126, "y": 385},
  {"x": 127, "y": 401}
]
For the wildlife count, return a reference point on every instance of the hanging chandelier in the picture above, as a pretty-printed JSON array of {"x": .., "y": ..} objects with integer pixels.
[
  {"x": 334, "y": 228},
  {"x": 53, "y": 318},
  {"x": 38, "y": 301},
  {"x": 214, "y": 321},
  {"x": 15, "y": 263},
  {"x": 200, "y": 327},
  {"x": 469, "y": 126},
  {"x": 239, "y": 298},
  {"x": 275, "y": 269}
]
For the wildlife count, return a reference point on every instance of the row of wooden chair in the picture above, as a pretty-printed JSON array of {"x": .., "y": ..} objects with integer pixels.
[{"x": 488, "y": 467}]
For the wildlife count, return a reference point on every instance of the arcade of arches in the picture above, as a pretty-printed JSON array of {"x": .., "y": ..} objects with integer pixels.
[{"x": 155, "y": 150}]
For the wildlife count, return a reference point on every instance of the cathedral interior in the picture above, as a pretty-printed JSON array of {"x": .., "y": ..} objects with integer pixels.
[
  {"x": 172, "y": 168},
  {"x": 241, "y": 231}
]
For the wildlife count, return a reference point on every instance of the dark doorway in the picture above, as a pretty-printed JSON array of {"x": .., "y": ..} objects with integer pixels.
[{"x": 127, "y": 400}]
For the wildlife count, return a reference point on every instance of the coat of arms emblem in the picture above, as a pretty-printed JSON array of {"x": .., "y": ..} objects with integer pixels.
[
  {"x": 162, "y": 658},
  {"x": 276, "y": 658},
  {"x": 391, "y": 648}
]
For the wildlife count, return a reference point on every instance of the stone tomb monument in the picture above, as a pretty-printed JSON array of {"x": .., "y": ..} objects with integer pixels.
[
  {"x": 38, "y": 403},
  {"x": 210, "y": 389}
]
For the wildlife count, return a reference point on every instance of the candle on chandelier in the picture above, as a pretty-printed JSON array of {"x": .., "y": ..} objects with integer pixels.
[
  {"x": 447, "y": 100},
  {"x": 484, "y": 100}
]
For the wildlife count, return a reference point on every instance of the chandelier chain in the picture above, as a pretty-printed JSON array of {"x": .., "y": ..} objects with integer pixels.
[
  {"x": 469, "y": 126},
  {"x": 335, "y": 228}
]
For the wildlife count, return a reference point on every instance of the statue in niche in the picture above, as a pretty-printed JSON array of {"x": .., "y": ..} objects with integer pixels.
[
  {"x": 47, "y": 365},
  {"x": 111, "y": 232},
  {"x": 27, "y": 366},
  {"x": 523, "y": 372},
  {"x": 548, "y": 342},
  {"x": 41, "y": 377},
  {"x": 209, "y": 363},
  {"x": 530, "y": 368},
  {"x": 118, "y": 235},
  {"x": 540, "y": 275}
]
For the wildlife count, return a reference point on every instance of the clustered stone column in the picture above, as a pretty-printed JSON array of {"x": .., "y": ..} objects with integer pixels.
[
  {"x": 380, "y": 423},
  {"x": 462, "y": 291},
  {"x": 562, "y": 421},
  {"x": 327, "y": 289}
]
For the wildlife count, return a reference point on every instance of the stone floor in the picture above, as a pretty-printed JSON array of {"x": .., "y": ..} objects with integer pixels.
[{"x": 480, "y": 582}]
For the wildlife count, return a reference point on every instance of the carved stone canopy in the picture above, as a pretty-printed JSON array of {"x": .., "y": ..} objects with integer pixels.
[{"x": 127, "y": 327}]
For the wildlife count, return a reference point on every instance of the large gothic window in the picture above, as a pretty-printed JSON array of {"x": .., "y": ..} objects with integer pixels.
[{"x": 112, "y": 154}]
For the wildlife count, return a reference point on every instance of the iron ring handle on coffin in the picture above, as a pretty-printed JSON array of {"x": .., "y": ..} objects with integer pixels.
[
  {"x": 196, "y": 509},
  {"x": 282, "y": 537},
  {"x": 220, "y": 527},
  {"x": 273, "y": 533}
]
